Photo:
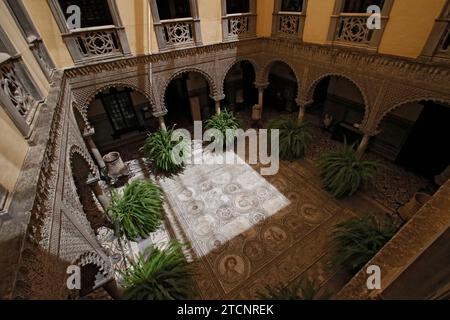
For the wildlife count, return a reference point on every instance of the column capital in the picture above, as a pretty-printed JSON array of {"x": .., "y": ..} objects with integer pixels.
[
  {"x": 304, "y": 103},
  {"x": 92, "y": 179},
  {"x": 160, "y": 114},
  {"x": 218, "y": 97},
  {"x": 89, "y": 132},
  {"x": 366, "y": 131},
  {"x": 261, "y": 85}
]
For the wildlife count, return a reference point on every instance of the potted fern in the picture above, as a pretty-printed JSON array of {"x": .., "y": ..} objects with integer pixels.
[
  {"x": 159, "y": 275},
  {"x": 357, "y": 240},
  {"x": 223, "y": 122},
  {"x": 160, "y": 148},
  {"x": 294, "y": 137},
  {"x": 343, "y": 171},
  {"x": 137, "y": 211}
]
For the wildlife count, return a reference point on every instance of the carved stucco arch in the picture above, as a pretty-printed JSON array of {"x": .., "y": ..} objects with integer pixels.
[
  {"x": 227, "y": 69},
  {"x": 313, "y": 85},
  {"x": 91, "y": 257},
  {"x": 165, "y": 84},
  {"x": 77, "y": 110},
  {"x": 86, "y": 95},
  {"x": 80, "y": 152},
  {"x": 409, "y": 101},
  {"x": 265, "y": 71}
]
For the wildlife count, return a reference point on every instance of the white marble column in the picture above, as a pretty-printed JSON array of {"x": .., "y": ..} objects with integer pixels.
[
  {"x": 93, "y": 183},
  {"x": 302, "y": 105},
  {"x": 261, "y": 87},
  {"x": 93, "y": 148},
  {"x": 162, "y": 123}
]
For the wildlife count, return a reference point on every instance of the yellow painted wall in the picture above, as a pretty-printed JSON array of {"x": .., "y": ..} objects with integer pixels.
[
  {"x": 264, "y": 10},
  {"x": 13, "y": 150},
  {"x": 210, "y": 13},
  {"x": 45, "y": 23},
  {"x": 317, "y": 22},
  {"x": 409, "y": 26},
  {"x": 21, "y": 45},
  {"x": 135, "y": 15}
]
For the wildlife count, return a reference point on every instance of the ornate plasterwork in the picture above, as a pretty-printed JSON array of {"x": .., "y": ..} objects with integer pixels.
[
  {"x": 85, "y": 95},
  {"x": 166, "y": 77}
]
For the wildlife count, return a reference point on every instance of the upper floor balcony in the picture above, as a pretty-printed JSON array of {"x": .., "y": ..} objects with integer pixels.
[
  {"x": 289, "y": 18},
  {"x": 92, "y": 30},
  {"x": 238, "y": 19},
  {"x": 349, "y": 23}
]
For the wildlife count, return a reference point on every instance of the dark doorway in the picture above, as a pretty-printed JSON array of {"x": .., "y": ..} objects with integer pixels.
[
  {"x": 177, "y": 103},
  {"x": 187, "y": 100},
  {"x": 319, "y": 97},
  {"x": 248, "y": 79},
  {"x": 282, "y": 90},
  {"x": 425, "y": 151},
  {"x": 240, "y": 90}
]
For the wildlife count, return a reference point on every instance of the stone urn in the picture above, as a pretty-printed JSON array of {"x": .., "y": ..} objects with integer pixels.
[
  {"x": 414, "y": 205},
  {"x": 114, "y": 165}
]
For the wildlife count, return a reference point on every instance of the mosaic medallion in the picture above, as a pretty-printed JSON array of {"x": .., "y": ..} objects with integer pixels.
[
  {"x": 225, "y": 212},
  {"x": 232, "y": 188},
  {"x": 254, "y": 250},
  {"x": 232, "y": 268},
  {"x": 275, "y": 238},
  {"x": 195, "y": 207},
  {"x": 246, "y": 202},
  {"x": 311, "y": 214},
  {"x": 204, "y": 225}
]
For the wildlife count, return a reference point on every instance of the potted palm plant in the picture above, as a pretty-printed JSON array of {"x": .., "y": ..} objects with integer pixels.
[
  {"x": 137, "y": 211},
  {"x": 295, "y": 137},
  {"x": 159, "y": 275},
  {"x": 357, "y": 240},
  {"x": 225, "y": 122},
  {"x": 343, "y": 171},
  {"x": 160, "y": 148}
]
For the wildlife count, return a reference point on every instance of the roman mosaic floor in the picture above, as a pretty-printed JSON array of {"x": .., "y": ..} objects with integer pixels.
[
  {"x": 240, "y": 242},
  {"x": 247, "y": 231}
]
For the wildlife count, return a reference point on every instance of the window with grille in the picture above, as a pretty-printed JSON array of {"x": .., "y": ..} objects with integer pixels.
[
  {"x": 292, "y": 5},
  {"x": 120, "y": 110},
  {"x": 93, "y": 13},
  {"x": 360, "y": 6},
  {"x": 173, "y": 9},
  {"x": 238, "y": 6}
]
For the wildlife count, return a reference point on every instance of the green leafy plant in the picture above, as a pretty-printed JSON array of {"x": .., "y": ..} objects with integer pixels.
[
  {"x": 159, "y": 275},
  {"x": 306, "y": 290},
  {"x": 357, "y": 240},
  {"x": 294, "y": 137},
  {"x": 138, "y": 210},
  {"x": 343, "y": 171},
  {"x": 160, "y": 147},
  {"x": 223, "y": 122}
]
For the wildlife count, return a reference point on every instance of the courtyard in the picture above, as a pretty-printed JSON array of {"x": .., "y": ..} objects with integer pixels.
[{"x": 245, "y": 231}]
